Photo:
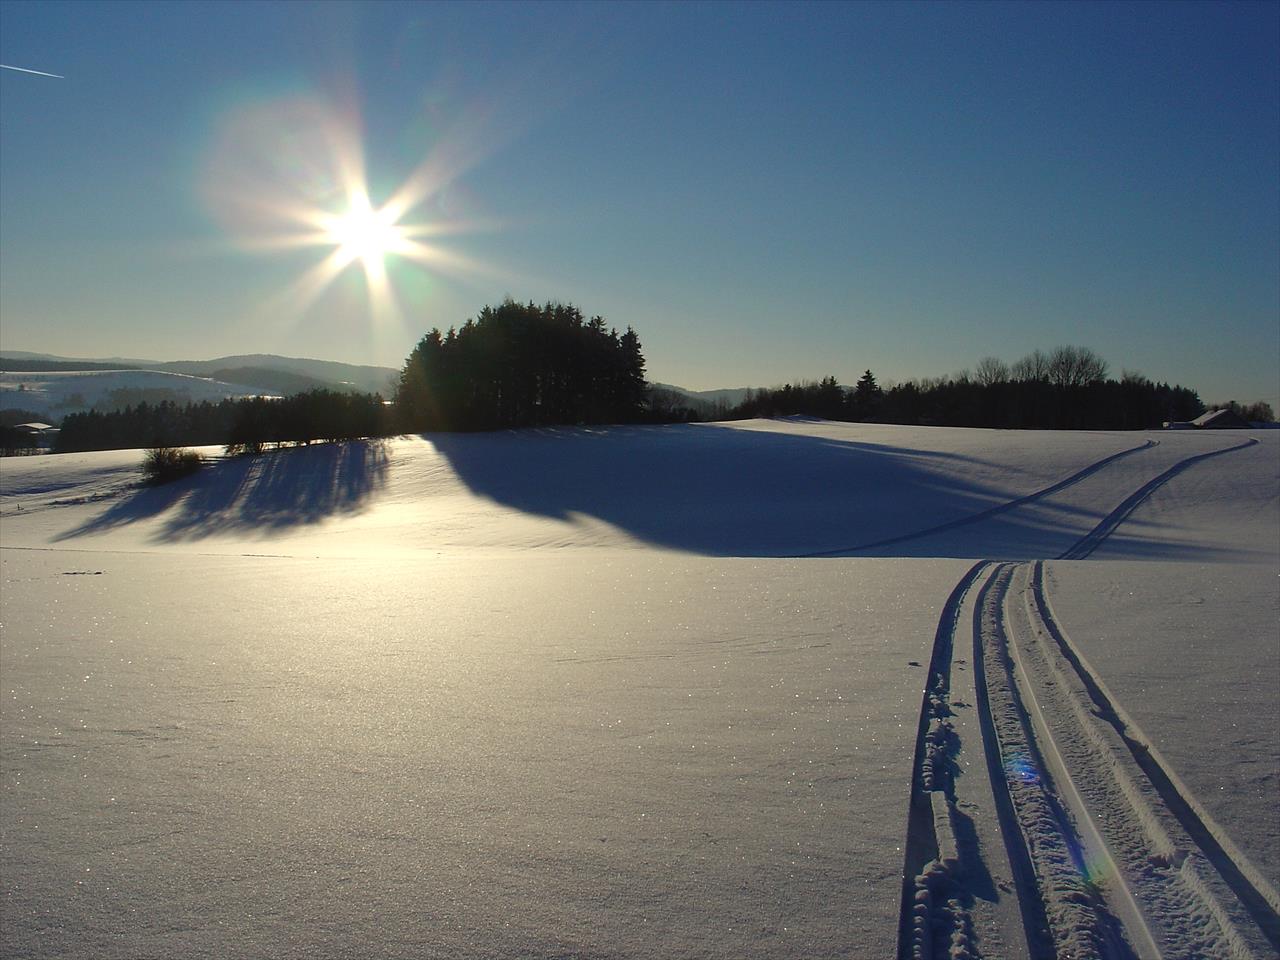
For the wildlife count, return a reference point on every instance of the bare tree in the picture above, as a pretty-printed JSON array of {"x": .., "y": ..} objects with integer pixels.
[
  {"x": 1075, "y": 367},
  {"x": 991, "y": 370},
  {"x": 1034, "y": 366}
]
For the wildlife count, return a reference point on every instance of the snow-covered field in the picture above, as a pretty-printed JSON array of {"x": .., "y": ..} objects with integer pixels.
[
  {"x": 706, "y": 690},
  {"x": 56, "y": 393}
]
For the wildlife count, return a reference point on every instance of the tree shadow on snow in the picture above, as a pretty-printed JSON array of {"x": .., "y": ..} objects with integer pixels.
[
  {"x": 721, "y": 491},
  {"x": 711, "y": 490},
  {"x": 278, "y": 490}
]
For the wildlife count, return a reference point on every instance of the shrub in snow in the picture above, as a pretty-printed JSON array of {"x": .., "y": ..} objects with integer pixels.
[{"x": 162, "y": 464}]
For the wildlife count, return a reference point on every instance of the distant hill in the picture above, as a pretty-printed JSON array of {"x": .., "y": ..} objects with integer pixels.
[
  {"x": 7, "y": 358},
  {"x": 272, "y": 374},
  {"x": 55, "y": 393},
  {"x": 275, "y": 381},
  {"x": 10, "y": 364},
  {"x": 265, "y": 373},
  {"x": 707, "y": 402},
  {"x": 318, "y": 373}
]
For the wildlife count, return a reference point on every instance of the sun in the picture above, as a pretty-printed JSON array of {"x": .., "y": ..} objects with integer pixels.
[
  {"x": 364, "y": 233},
  {"x": 291, "y": 175}
]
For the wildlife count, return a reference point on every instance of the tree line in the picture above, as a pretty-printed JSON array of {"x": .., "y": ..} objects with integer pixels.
[
  {"x": 512, "y": 366},
  {"x": 522, "y": 365},
  {"x": 244, "y": 425},
  {"x": 1064, "y": 389}
]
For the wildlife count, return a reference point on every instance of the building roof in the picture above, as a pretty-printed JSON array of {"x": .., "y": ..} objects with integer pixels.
[{"x": 1220, "y": 418}]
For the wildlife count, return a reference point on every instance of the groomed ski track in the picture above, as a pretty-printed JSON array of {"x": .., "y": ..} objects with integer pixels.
[{"x": 1042, "y": 822}]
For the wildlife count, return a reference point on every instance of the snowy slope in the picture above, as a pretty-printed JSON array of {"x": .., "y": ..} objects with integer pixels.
[
  {"x": 563, "y": 692},
  {"x": 756, "y": 489}
]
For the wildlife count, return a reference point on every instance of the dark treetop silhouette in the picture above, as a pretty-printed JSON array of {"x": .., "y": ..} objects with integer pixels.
[{"x": 521, "y": 366}]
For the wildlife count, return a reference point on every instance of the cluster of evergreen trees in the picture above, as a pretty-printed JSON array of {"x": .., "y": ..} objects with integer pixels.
[
  {"x": 14, "y": 442},
  {"x": 520, "y": 365},
  {"x": 147, "y": 425},
  {"x": 1066, "y": 389},
  {"x": 826, "y": 399},
  {"x": 245, "y": 424}
]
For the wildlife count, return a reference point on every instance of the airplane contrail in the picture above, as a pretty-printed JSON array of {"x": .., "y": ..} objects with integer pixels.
[{"x": 38, "y": 73}]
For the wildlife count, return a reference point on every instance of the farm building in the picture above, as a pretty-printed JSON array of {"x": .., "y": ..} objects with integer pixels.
[
  {"x": 1221, "y": 420},
  {"x": 1213, "y": 420}
]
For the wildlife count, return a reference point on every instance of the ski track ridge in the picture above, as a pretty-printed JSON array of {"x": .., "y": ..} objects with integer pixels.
[{"x": 928, "y": 856}]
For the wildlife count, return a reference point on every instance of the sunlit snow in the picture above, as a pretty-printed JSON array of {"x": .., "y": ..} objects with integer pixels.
[{"x": 647, "y": 691}]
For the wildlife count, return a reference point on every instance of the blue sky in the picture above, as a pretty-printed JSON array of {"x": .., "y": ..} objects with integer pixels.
[{"x": 765, "y": 192}]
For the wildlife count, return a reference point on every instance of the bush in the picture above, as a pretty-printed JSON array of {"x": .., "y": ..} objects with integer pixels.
[{"x": 163, "y": 464}]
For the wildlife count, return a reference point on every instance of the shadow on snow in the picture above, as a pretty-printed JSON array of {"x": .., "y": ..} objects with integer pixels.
[
  {"x": 703, "y": 489},
  {"x": 274, "y": 491},
  {"x": 731, "y": 492}
]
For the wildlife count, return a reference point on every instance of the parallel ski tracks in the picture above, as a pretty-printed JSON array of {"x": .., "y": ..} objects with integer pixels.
[
  {"x": 1093, "y": 539},
  {"x": 990, "y": 512},
  {"x": 1106, "y": 853}
]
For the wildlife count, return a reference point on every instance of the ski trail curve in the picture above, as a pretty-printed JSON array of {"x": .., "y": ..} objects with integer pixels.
[
  {"x": 1090, "y": 542},
  {"x": 981, "y": 515}
]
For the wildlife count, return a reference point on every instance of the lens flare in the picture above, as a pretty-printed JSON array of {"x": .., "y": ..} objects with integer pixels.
[
  {"x": 289, "y": 174},
  {"x": 1020, "y": 766}
]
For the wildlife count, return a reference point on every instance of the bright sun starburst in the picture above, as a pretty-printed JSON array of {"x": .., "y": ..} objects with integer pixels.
[
  {"x": 290, "y": 174},
  {"x": 365, "y": 233}
]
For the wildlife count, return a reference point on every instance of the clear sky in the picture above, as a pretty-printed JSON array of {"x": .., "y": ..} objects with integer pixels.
[{"x": 765, "y": 192}]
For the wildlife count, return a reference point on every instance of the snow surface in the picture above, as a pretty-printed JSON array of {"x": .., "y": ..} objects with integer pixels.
[
  {"x": 1193, "y": 654},
  {"x": 570, "y": 692},
  {"x": 759, "y": 489},
  {"x": 69, "y": 390},
  {"x": 458, "y": 757}
]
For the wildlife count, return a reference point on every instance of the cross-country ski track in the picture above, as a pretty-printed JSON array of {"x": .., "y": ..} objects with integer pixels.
[{"x": 1042, "y": 821}]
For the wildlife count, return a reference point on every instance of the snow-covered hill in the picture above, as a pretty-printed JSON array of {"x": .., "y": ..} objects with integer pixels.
[
  {"x": 710, "y": 690},
  {"x": 60, "y": 392},
  {"x": 230, "y": 376}
]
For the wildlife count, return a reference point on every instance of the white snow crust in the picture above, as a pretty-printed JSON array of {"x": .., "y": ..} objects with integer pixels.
[{"x": 573, "y": 692}]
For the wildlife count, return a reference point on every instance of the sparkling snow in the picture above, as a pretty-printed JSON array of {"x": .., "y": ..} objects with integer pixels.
[{"x": 561, "y": 692}]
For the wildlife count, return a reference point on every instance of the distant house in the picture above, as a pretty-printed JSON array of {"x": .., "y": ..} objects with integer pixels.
[
  {"x": 1213, "y": 420},
  {"x": 44, "y": 434},
  {"x": 1221, "y": 420}
]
